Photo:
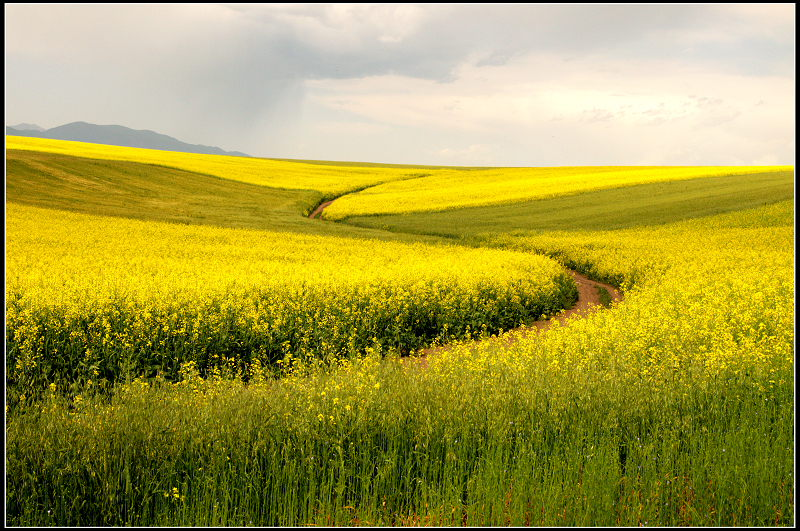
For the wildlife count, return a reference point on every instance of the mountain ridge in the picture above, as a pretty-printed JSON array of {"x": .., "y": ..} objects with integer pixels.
[
  {"x": 28, "y": 127},
  {"x": 118, "y": 135}
]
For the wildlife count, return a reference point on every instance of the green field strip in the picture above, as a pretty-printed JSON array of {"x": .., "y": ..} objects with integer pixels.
[
  {"x": 640, "y": 205},
  {"x": 447, "y": 190},
  {"x": 331, "y": 180},
  {"x": 156, "y": 193},
  {"x": 142, "y": 191}
]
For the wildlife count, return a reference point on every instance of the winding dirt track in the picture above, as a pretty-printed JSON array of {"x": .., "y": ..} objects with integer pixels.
[
  {"x": 319, "y": 209},
  {"x": 588, "y": 300}
]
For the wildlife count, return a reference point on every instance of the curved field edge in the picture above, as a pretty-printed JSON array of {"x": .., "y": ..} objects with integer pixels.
[
  {"x": 617, "y": 208},
  {"x": 96, "y": 298},
  {"x": 330, "y": 180},
  {"x": 676, "y": 408},
  {"x": 147, "y": 192},
  {"x": 639, "y": 256},
  {"x": 451, "y": 190}
]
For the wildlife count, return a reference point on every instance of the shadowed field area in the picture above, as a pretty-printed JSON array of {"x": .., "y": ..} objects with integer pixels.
[
  {"x": 156, "y": 193},
  {"x": 142, "y": 191}
]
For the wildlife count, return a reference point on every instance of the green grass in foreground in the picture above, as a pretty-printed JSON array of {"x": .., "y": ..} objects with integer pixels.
[
  {"x": 648, "y": 204},
  {"x": 214, "y": 452}
]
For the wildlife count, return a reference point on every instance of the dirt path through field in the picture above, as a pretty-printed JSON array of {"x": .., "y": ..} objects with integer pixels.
[
  {"x": 319, "y": 209},
  {"x": 588, "y": 300}
]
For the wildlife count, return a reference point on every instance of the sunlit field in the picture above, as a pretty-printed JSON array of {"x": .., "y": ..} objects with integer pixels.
[
  {"x": 497, "y": 186},
  {"x": 613, "y": 208},
  {"x": 192, "y": 371},
  {"x": 106, "y": 295},
  {"x": 331, "y": 181}
]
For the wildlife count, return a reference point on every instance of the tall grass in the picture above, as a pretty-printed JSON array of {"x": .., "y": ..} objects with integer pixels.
[{"x": 339, "y": 449}]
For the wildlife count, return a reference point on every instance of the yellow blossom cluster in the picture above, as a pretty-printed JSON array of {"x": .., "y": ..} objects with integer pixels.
[
  {"x": 90, "y": 293},
  {"x": 708, "y": 302}
]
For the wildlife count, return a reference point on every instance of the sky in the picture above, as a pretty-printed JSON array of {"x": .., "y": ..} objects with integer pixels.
[{"x": 464, "y": 85}]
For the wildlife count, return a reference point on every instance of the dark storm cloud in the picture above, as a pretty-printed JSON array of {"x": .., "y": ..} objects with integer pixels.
[
  {"x": 316, "y": 42},
  {"x": 443, "y": 37}
]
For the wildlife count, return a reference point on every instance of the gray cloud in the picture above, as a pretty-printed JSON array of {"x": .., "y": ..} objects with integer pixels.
[{"x": 234, "y": 75}]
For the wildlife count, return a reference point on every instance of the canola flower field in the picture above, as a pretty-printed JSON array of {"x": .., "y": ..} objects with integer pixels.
[
  {"x": 105, "y": 295},
  {"x": 448, "y": 190},
  {"x": 144, "y": 386},
  {"x": 331, "y": 181}
]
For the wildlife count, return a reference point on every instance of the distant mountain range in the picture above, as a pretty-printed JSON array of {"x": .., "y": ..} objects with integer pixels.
[
  {"x": 116, "y": 135},
  {"x": 28, "y": 127}
]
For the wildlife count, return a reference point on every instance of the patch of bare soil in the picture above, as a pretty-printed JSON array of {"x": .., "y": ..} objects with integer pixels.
[{"x": 319, "y": 209}]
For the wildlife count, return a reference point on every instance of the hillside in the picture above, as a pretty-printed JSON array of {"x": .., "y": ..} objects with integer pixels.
[
  {"x": 150, "y": 191},
  {"x": 117, "y": 135}
]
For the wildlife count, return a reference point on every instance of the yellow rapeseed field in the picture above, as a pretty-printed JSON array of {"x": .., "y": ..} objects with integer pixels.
[
  {"x": 330, "y": 180},
  {"x": 90, "y": 291},
  {"x": 143, "y": 354},
  {"x": 460, "y": 189},
  {"x": 709, "y": 306},
  {"x": 707, "y": 301}
]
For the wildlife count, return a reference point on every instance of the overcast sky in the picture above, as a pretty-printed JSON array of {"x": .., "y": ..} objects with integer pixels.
[{"x": 507, "y": 85}]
